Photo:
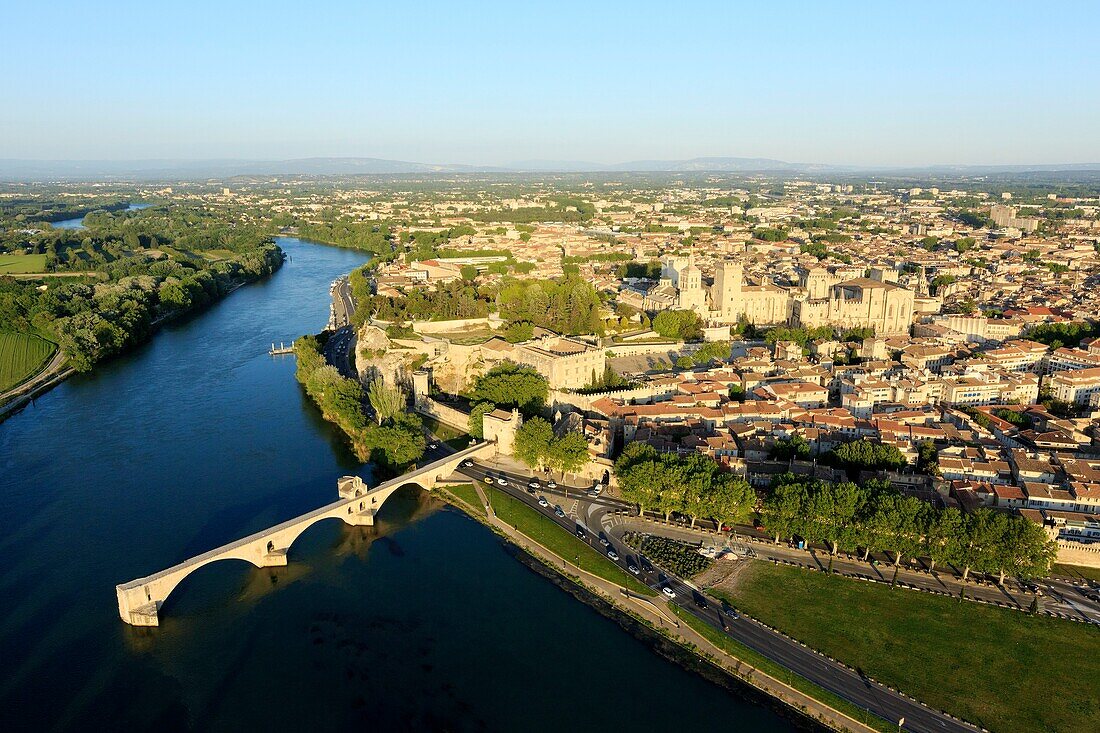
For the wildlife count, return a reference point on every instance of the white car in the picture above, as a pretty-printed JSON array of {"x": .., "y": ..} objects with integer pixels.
[
  {"x": 633, "y": 569},
  {"x": 551, "y": 484},
  {"x": 613, "y": 555},
  {"x": 467, "y": 463},
  {"x": 559, "y": 512},
  {"x": 543, "y": 502},
  {"x": 668, "y": 592},
  {"x": 502, "y": 482}
]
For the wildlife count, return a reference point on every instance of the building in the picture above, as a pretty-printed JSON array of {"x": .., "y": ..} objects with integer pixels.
[
  {"x": 566, "y": 362},
  {"x": 1077, "y": 386},
  {"x": 859, "y": 303}
]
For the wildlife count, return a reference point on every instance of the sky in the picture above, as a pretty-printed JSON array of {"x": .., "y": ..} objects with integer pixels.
[{"x": 492, "y": 83}]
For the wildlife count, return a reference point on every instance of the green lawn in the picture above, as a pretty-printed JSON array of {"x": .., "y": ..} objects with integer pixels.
[
  {"x": 749, "y": 656},
  {"x": 468, "y": 494},
  {"x": 21, "y": 264},
  {"x": 21, "y": 356},
  {"x": 1005, "y": 670},
  {"x": 552, "y": 536},
  {"x": 452, "y": 436},
  {"x": 1076, "y": 572}
]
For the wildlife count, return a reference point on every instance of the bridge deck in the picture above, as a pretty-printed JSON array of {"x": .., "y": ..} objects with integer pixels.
[{"x": 316, "y": 514}]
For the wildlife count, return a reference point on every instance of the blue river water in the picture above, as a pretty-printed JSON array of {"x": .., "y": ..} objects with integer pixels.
[{"x": 423, "y": 622}]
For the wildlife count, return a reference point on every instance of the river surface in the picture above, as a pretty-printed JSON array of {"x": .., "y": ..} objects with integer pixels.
[
  {"x": 78, "y": 222},
  {"x": 199, "y": 437}
]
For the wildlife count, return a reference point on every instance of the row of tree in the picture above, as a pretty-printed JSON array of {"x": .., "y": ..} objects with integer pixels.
[
  {"x": 876, "y": 518},
  {"x": 693, "y": 485}
]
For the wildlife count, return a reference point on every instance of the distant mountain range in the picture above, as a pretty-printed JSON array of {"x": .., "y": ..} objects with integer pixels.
[{"x": 167, "y": 169}]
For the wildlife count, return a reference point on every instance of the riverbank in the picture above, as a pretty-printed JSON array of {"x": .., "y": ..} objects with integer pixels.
[
  {"x": 59, "y": 369},
  {"x": 649, "y": 622}
]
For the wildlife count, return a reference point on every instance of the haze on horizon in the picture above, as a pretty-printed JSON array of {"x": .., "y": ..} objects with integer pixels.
[{"x": 868, "y": 84}]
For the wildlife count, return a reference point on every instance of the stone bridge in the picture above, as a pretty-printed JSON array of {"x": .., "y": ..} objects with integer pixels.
[{"x": 140, "y": 600}]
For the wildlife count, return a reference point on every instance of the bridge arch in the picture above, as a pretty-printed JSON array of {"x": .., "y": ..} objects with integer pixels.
[{"x": 139, "y": 600}]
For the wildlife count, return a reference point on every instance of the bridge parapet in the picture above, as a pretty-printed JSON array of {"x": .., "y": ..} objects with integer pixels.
[{"x": 140, "y": 600}]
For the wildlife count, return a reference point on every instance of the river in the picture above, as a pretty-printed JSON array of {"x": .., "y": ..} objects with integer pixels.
[{"x": 200, "y": 437}]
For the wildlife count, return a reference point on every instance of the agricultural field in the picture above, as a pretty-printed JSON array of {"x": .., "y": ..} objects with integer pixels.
[
  {"x": 21, "y": 264},
  {"x": 21, "y": 356}
]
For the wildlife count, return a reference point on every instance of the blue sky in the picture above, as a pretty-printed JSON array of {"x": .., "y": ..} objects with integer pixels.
[{"x": 832, "y": 82}]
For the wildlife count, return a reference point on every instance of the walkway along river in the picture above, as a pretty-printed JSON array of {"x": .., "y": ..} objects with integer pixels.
[{"x": 199, "y": 437}]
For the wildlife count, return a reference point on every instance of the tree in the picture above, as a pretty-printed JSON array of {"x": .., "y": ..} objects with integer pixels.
[
  {"x": 511, "y": 385},
  {"x": 533, "y": 440},
  {"x": 684, "y": 325},
  {"x": 386, "y": 401},
  {"x": 468, "y": 272},
  {"x": 784, "y": 509},
  {"x": 477, "y": 414},
  {"x": 730, "y": 500},
  {"x": 928, "y": 458},
  {"x": 568, "y": 453},
  {"x": 792, "y": 448}
]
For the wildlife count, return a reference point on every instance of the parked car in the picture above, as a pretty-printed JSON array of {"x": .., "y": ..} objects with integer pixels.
[
  {"x": 543, "y": 502},
  {"x": 502, "y": 482},
  {"x": 489, "y": 480},
  {"x": 551, "y": 484},
  {"x": 533, "y": 484},
  {"x": 633, "y": 569},
  {"x": 467, "y": 463},
  {"x": 581, "y": 533},
  {"x": 559, "y": 511},
  {"x": 613, "y": 555}
]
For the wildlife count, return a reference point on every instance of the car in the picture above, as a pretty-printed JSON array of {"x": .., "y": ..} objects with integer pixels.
[
  {"x": 668, "y": 592},
  {"x": 729, "y": 611},
  {"x": 593, "y": 493},
  {"x": 633, "y": 569},
  {"x": 596, "y": 490},
  {"x": 581, "y": 533},
  {"x": 604, "y": 542},
  {"x": 612, "y": 554},
  {"x": 551, "y": 484},
  {"x": 433, "y": 446},
  {"x": 489, "y": 480},
  {"x": 531, "y": 490},
  {"x": 558, "y": 511},
  {"x": 467, "y": 463},
  {"x": 543, "y": 502},
  {"x": 533, "y": 484},
  {"x": 700, "y": 601},
  {"x": 502, "y": 482}
]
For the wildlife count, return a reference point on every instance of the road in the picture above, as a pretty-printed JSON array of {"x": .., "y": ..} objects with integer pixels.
[
  {"x": 340, "y": 347},
  {"x": 592, "y": 520}
]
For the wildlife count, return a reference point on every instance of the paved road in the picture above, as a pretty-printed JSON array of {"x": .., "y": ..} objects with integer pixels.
[
  {"x": 343, "y": 306},
  {"x": 340, "y": 348},
  {"x": 589, "y": 518}
]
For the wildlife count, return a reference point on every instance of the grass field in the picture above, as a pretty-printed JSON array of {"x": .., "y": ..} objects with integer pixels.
[
  {"x": 21, "y": 264},
  {"x": 1007, "y": 671},
  {"x": 468, "y": 494},
  {"x": 21, "y": 355},
  {"x": 738, "y": 650},
  {"x": 552, "y": 536},
  {"x": 1077, "y": 572}
]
